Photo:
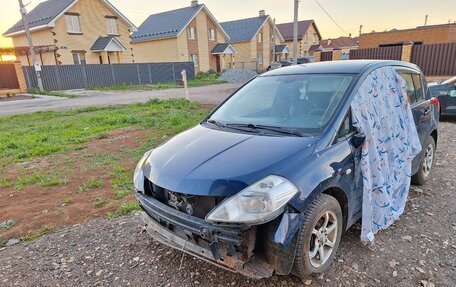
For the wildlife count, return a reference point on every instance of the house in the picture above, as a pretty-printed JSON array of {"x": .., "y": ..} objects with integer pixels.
[
  {"x": 433, "y": 34},
  {"x": 308, "y": 35},
  {"x": 188, "y": 34},
  {"x": 74, "y": 32},
  {"x": 254, "y": 40},
  {"x": 342, "y": 43}
]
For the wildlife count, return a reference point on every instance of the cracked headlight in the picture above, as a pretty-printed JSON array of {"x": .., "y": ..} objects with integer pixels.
[
  {"x": 138, "y": 177},
  {"x": 256, "y": 204}
]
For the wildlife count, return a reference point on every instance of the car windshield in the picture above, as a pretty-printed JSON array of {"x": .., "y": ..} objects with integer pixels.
[{"x": 300, "y": 103}]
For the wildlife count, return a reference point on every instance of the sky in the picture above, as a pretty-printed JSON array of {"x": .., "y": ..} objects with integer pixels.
[{"x": 378, "y": 15}]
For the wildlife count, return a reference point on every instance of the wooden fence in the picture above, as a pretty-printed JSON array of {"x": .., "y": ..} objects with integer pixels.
[
  {"x": 326, "y": 56},
  {"x": 435, "y": 59},
  {"x": 381, "y": 53},
  {"x": 8, "y": 77}
]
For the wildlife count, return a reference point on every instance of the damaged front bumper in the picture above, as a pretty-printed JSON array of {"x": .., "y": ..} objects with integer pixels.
[{"x": 254, "y": 251}]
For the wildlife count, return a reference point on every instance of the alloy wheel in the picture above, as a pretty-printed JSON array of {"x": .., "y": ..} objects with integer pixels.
[
  {"x": 323, "y": 238},
  {"x": 428, "y": 160}
]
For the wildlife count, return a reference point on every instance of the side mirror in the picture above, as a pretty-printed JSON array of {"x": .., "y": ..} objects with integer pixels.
[{"x": 358, "y": 140}]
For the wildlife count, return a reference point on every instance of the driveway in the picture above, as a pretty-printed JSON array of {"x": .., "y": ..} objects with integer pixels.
[{"x": 210, "y": 95}]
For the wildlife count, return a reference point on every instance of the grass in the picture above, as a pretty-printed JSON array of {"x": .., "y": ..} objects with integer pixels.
[
  {"x": 159, "y": 86},
  {"x": 124, "y": 209},
  {"x": 92, "y": 183},
  {"x": 40, "y": 178},
  {"x": 36, "y": 91},
  {"x": 24, "y": 137},
  {"x": 100, "y": 202},
  {"x": 67, "y": 200},
  {"x": 122, "y": 182},
  {"x": 33, "y": 235}
]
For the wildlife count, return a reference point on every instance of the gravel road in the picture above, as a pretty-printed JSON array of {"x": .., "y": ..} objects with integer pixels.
[{"x": 419, "y": 250}]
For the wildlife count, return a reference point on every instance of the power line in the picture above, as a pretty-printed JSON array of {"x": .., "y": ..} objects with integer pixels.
[{"x": 324, "y": 10}]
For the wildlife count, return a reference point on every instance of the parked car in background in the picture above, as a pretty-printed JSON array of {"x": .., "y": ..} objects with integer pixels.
[
  {"x": 265, "y": 184},
  {"x": 446, "y": 93},
  {"x": 305, "y": 60}
]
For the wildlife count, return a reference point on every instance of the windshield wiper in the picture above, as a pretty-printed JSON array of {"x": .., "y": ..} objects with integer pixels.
[
  {"x": 217, "y": 123},
  {"x": 233, "y": 127},
  {"x": 268, "y": 128}
]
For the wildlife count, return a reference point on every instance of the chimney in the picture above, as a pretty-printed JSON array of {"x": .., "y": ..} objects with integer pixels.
[
  {"x": 329, "y": 42},
  {"x": 194, "y": 3},
  {"x": 262, "y": 13}
]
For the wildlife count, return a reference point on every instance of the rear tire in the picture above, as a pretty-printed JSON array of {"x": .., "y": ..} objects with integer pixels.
[
  {"x": 426, "y": 163},
  {"x": 319, "y": 236}
]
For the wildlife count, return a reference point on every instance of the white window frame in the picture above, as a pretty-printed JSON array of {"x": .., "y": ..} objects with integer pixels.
[
  {"x": 111, "y": 25},
  {"x": 306, "y": 35},
  {"x": 194, "y": 59},
  {"x": 315, "y": 38},
  {"x": 80, "y": 58},
  {"x": 191, "y": 33},
  {"x": 212, "y": 35},
  {"x": 73, "y": 24},
  {"x": 260, "y": 37}
]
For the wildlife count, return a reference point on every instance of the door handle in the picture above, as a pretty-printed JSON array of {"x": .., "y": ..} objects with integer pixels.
[{"x": 426, "y": 111}]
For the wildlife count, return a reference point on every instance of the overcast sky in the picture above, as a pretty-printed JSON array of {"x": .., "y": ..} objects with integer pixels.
[{"x": 379, "y": 15}]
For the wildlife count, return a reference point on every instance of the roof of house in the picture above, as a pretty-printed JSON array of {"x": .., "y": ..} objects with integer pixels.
[
  {"x": 245, "y": 29},
  {"x": 286, "y": 29},
  {"x": 169, "y": 24},
  {"x": 46, "y": 13},
  {"x": 102, "y": 44},
  {"x": 282, "y": 48},
  {"x": 341, "y": 42},
  {"x": 223, "y": 48}
]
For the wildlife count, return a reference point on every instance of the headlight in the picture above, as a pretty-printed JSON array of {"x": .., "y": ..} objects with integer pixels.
[
  {"x": 138, "y": 177},
  {"x": 256, "y": 204}
]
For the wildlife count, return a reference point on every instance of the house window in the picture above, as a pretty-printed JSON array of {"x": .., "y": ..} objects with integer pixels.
[
  {"x": 260, "y": 58},
  {"x": 212, "y": 34},
  {"x": 73, "y": 24},
  {"x": 260, "y": 37},
  {"x": 191, "y": 33},
  {"x": 111, "y": 24},
  {"x": 315, "y": 38},
  {"x": 194, "y": 59},
  {"x": 79, "y": 58},
  {"x": 305, "y": 38}
]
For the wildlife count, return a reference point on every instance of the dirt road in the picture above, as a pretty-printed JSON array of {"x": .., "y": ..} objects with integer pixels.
[{"x": 419, "y": 250}]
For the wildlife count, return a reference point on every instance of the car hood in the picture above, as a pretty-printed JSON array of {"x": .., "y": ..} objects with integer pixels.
[{"x": 209, "y": 162}]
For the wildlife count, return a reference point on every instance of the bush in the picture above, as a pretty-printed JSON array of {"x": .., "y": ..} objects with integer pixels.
[{"x": 209, "y": 75}]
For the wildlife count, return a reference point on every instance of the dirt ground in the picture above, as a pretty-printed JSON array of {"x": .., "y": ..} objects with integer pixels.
[
  {"x": 4, "y": 98},
  {"x": 418, "y": 250},
  {"x": 34, "y": 206}
]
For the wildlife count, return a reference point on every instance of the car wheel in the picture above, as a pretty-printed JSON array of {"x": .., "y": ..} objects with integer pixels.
[
  {"x": 426, "y": 164},
  {"x": 319, "y": 236}
]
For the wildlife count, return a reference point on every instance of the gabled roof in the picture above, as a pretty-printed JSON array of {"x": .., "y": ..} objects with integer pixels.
[
  {"x": 108, "y": 43},
  {"x": 246, "y": 29},
  {"x": 223, "y": 48},
  {"x": 46, "y": 13},
  {"x": 170, "y": 24},
  {"x": 338, "y": 43},
  {"x": 283, "y": 49},
  {"x": 286, "y": 29}
]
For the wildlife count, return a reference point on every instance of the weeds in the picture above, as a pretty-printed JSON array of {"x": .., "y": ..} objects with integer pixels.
[
  {"x": 67, "y": 200},
  {"x": 33, "y": 235},
  {"x": 92, "y": 183},
  {"x": 100, "y": 202},
  {"x": 122, "y": 182},
  {"x": 124, "y": 209}
]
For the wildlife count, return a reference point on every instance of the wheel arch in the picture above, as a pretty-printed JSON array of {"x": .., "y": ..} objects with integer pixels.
[{"x": 341, "y": 197}]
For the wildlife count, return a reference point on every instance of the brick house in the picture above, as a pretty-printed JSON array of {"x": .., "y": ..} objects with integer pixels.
[
  {"x": 434, "y": 34},
  {"x": 252, "y": 38},
  {"x": 74, "y": 32},
  {"x": 345, "y": 44},
  {"x": 188, "y": 34},
  {"x": 308, "y": 35}
]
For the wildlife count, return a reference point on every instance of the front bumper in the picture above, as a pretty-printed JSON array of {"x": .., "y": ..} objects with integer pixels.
[{"x": 214, "y": 243}]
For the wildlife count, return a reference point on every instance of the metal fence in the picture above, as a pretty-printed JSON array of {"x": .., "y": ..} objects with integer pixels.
[
  {"x": 435, "y": 59},
  {"x": 326, "y": 56},
  {"x": 8, "y": 77},
  {"x": 381, "y": 53},
  {"x": 249, "y": 65},
  {"x": 67, "y": 77}
]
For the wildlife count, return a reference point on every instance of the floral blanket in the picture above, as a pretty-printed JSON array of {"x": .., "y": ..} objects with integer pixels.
[{"x": 381, "y": 111}]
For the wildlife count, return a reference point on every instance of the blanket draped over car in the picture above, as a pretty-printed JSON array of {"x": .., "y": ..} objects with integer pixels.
[{"x": 381, "y": 112}]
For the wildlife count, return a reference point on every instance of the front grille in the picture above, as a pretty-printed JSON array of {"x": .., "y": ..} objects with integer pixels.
[{"x": 195, "y": 205}]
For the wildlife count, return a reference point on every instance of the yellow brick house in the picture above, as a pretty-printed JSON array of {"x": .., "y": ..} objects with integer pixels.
[
  {"x": 308, "y": 35},
  {"x": 66, "y": 32},
  {"x": 254, "y": 40},
  {"x": 191, "y": 33}
]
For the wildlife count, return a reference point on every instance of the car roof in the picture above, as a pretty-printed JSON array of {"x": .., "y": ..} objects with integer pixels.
[{"x": 337, "y": 67}]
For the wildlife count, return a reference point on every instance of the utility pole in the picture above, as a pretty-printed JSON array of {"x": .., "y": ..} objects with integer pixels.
[
  {"x": 425, "y": 20},
  {"x": 360, "y": 29},
  {"x": 36, "y": 65},
  {"x": 273, "y": 42},
  {"x": 295, "y": 32}
]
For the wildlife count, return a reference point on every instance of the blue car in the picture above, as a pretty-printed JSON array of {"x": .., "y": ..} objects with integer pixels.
[{"x": 258, "y": 195}]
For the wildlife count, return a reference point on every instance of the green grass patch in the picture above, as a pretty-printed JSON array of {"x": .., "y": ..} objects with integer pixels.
[
  {"x": 122, "y": 182},
  {"x": 198, "y": 82},
  {"x": 39, "y": 178},
  {"x": 92, "y": 183},
  {"x": 67, "y": 200},
  {"x": 33, "y": 235},
  {"x": 36, "y": 91},
  {"x": 124, "y": 209},
  {"x": 100, "y": 202},
  {"x": 5, "y": 182},
  {"x": 24, "y": 137}
]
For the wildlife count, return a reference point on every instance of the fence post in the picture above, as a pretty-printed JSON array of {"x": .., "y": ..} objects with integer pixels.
[
  {"x": 407, "y": 52},
  {"x": 139, "y": 76},
  {"x": 174, "y": 72},
  {"x": 113, "y": 76},
  {"x": 336, "y": 54},
  {"x": 150, "y": 74},
  {"x": 317, "y": 56},
  {"x": 84, "y": 76}
]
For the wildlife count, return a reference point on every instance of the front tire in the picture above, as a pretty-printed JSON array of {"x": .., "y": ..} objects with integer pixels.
[
  {"x": 426, "y": 164},
  {"x": 319, "y": 236}
]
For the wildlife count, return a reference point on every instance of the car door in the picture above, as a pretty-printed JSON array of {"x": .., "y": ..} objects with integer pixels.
[{"x": 421, "y": 108}]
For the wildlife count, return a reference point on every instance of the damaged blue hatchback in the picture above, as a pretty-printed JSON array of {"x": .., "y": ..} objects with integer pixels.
[{"x": 266, "y": 182}]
